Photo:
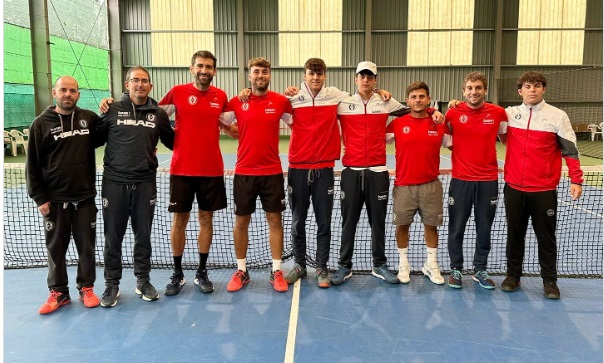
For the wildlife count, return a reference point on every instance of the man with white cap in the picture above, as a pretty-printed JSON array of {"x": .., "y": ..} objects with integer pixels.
[{"x": 365, "y": 178}]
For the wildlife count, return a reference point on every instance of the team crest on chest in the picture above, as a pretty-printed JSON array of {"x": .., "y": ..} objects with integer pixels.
[
  {"x": 150, "y": 117},
  {"x": 517, "y": 117},
  {"x": 463, "y": 119},
  {"x": 192, "y": 100},
  {"x": 245, "y": 106},
  {"x": 301, "y": 98},
  {"x": 351, "y": 107},
  {"x": 83, "y": 124},
  {"x": 406, "y": 130}
]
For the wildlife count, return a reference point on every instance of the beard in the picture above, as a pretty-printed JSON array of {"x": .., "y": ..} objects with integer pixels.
[
  {"x": 201, "y": 82},
  {"x": 261, "y": 88},
  {"x": 67, "y": 105}
]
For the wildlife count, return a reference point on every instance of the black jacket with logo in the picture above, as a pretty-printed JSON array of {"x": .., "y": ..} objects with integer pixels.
[
  {"x": 60, "y": 164},
  {"x": 132, "y": 133}
]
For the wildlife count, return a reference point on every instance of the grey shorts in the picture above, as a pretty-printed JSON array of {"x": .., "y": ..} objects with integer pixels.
[{"x": 426, "y": 198}]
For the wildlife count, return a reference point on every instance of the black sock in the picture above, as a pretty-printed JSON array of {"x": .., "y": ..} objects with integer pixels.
[
  {"x": 177, "y": 263},
  {"x": 203, "y": 258}
]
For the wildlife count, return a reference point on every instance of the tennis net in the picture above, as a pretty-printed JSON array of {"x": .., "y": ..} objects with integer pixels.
[{"x": 579, "y": 232}]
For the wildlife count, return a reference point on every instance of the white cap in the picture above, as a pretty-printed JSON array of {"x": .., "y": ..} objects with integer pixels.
[{"x": 371, "y": 67}]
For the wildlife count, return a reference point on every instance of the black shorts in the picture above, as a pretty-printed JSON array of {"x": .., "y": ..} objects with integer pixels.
[
  {"x": 209, "y": 191},
  {"x": 246, "y": 188}
]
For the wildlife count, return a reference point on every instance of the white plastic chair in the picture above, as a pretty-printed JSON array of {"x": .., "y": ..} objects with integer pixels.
[
  {"x": 26, "y": 134},
  {"x": 10, "y": 143},
  {"x": 595, "y": 130},
  {"x": 18, "y": 139}
]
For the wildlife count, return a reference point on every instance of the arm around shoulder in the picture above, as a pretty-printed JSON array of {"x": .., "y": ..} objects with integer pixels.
[{"x": 166, "y": 132}]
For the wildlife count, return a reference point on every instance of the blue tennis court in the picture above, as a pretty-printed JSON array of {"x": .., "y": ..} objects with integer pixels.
[{"x": 363, "y": 320}]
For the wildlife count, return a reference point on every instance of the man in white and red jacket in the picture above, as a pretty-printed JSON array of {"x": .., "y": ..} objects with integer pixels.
[
  {"x": 365, "y": 179},
  {"x": 539, "y": 136},
  {"x": 314, "y": 146}
]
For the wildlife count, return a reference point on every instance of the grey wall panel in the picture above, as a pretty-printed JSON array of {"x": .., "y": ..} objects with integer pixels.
[
  {"x": 226, "y": 80},
  {"x": 136, "y": 49},
  {"x": 445, "y": 82},
  {"x": 165, "y": 78},
  {"x": 593, "y": 16},
  {"x": 510, "y": 47},
  {"x": 485, "y": 12},
  {"x": 226, "y": 49},
  {"x": 261, "y": 15},
  {"x": 510, "y": 13},
  {"x": 353, "y": 48},
  {"x": 389, "y": 49},
  {"x": 592, "y": 51},
  {"x": 483, "y": 47},
  {"x": 353, "y": 15},
  {"x": 390, "y": 15},
  {"x": 225, "y": 15},
  {"x": 564, "y": 84},
  {"x": 262, "y": 45},
  {"x": 135, "y": 15}
]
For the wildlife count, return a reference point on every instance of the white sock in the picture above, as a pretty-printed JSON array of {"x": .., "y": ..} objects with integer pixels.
[
  {"x": 241, "y": 264},
  {"x": 431, "y": 261},
  {"x": 276, "y": 265},
  {"x": 403, "y": 260}
]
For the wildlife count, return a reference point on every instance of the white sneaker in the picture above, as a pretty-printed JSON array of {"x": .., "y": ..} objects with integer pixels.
[
  {"x": 403, "y": 274},
  {"x": 433, "y": 273}
]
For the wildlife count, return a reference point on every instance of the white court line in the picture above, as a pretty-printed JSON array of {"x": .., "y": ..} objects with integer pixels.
[
  {"x": 560, "y": 201},
  {"x": 290, "y": 347},
  {"x": 165, "y": 161}
]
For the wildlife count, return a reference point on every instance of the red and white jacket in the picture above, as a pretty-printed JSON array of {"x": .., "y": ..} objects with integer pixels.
[
  {"x": 315, "y": 140},
  {"x": 538, "y": 137},
  {"x": 364, "y": 129}
]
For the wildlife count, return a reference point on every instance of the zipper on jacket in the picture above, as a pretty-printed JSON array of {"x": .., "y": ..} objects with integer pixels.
[{"x": 526, "y": 135}]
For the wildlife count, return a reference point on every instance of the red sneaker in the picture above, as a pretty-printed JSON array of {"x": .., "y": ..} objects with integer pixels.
[
  {"x": 238, "y": 280},
  {"x": 88, "y": 297},
  {"x": 279, "y": 283},
  {"x": 55, "y": 300}
]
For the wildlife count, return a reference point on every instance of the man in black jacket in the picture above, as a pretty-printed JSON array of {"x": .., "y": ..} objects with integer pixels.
[
  {"x": 60, "y": 174},
  {"x": 132, "y": 127}
]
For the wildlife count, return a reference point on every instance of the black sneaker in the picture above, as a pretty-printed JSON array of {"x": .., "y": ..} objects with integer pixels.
[
  {"x": 177, "y": 280},
  {"x": 510, "y": 284},
  {"x": 297, "y": 272},
  {"x": 146, "y": 291},
  {"x": 551, "y": 290},
  {"x": 203, "y": 282},
  {"x": 109, "y": 297}
]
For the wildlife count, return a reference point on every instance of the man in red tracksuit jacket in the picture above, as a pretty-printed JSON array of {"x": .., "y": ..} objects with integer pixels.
[
  {"x": 365, "y": 179},
  {"x": 539, "y": 136},
  {"x": 313, "y": 148}
]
